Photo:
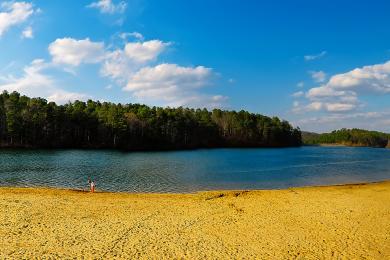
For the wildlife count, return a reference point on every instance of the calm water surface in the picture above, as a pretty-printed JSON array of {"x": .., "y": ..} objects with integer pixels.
[{"x": 188, "y": 171}]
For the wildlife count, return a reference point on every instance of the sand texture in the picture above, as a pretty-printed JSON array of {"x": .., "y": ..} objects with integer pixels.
[{"x": 341, "y": 222}]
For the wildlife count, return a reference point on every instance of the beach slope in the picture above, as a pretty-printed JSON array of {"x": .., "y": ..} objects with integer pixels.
[{"x": 351, "y": 221}]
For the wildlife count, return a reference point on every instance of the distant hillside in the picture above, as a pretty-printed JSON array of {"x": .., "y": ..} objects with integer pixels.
[
  {"x": 349, "y": 137},
  {"x": 308, "y": 136}
]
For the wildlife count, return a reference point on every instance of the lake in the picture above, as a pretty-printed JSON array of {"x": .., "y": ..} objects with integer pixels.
[{"x": 189, "y": 171}]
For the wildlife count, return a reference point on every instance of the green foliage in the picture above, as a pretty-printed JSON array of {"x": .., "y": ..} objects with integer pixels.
[
  {"x": 33, "y": 122},
  {"x": 352, "y": 137}
]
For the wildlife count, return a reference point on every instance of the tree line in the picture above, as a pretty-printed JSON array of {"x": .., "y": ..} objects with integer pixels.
[
  {"x": 34, "y": 122},
  {"x": 351, "y": 137}
]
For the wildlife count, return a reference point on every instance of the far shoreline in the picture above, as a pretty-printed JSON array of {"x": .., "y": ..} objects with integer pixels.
[{"x": 344, "y": 145}]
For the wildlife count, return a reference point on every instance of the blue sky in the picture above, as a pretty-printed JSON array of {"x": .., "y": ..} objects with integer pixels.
[{"x": 321, "y": 65}]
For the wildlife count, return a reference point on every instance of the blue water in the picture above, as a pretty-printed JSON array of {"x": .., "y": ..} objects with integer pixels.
[{"x": 188, "y": 171}]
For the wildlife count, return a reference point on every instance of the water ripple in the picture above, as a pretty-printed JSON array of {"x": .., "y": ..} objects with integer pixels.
[{"x": 188, "y": 171}]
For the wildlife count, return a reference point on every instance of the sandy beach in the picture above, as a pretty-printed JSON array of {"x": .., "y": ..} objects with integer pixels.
[{"x": 350, "y": 221}]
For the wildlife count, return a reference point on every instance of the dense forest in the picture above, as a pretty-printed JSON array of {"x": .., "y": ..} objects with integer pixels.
[
  {"x": 34, "y": 122},
  {"x": 350, "y": 137}
]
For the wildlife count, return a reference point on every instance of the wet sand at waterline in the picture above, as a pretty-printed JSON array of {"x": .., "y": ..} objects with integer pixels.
[{"x": 351, "y": 221}]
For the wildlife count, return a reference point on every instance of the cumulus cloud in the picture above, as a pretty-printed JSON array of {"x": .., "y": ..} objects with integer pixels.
[
  {"x": 117, "y": 66},
  {"x": 314, "y": 106},
  {"x": 315, "y": 56},
  {"x": 329, "y": 100},
  {"x": 366, "y": 120},
  {"x": 145, "y": 51},
  {"x": 136, "y": 35},
  {"x": 318, "y": 76},
  {"x": 340, "y": 93},
  {"x": 61, "y": 96},
  {"x": 174, "y": 84},
  {"x": 28, "y": 33},
  {"x": 298, "y": 94},
  {"x": 109, "y": 7},
  {"x": 14, "y": 13},
  {"x": 121, "y": 64},
  {"x": 169, "y": 75},
  {"x": 339, "y": 107},
  {"x": 132, "y": 68},
  {"x": 166, "y": 84},
  {"x": 32, "y": 78},
  {"x": 373, "y": 79},
  {"x": 323, "y": 92},
  {"x": 35, "y": 83},
  {"x": 197, "y": 100},
  {"x": 335, "y": 107},
  {"x": 73, "y": 52}
]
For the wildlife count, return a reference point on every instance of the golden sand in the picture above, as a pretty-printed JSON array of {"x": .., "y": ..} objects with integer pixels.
[{"x": 351, "y": 221}]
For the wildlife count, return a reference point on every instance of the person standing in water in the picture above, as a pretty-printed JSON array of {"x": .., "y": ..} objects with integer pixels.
[{"x": 91, "y": 185}]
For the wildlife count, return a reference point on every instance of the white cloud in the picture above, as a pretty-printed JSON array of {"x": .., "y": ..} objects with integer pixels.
[
  {"x": 323, "y": 91},
  {"x": 314, "y": 106},
  {"x": 109, "y": 7},
  {"x": 339, "y": 107},
  {"x": 315, "y": 56},
  {"x": 318, "y": 76},
  {"x": 131, "y": 67},
  {"x": 9, "y": 66},
  {"x": 374, "y": 79},
  {"x": 35, "y": 83},
  {"x": 169, "y": 75},
  {"x": 341, "y": 92},
  {"x": 136, "y": 35},
  {"x": 369, "y": 79},
  {"x": 61, "y": 96},
  {"x": 32, "y": 79},
  {"x": 145, "y": 51},
  {"x": 298, "y": 94},
  {"x": 204, "y": 101},
  {"x": 351, "y": 98},
  {"x": 14, "y": 13},
  {"x": 117, "y": 66},
  {"x": 332, "y": 107},
  {"x": 365, "y": 120},
  {"x": 329, "y": 100},
  {"x": 174, "y": 85},
  {"x": 198, "y": 100},
  {"x": 336, "y": 102},
  {"x": 300, "y": 84},
  {"x": 120, "y": 64},
  {"x": 73, "y": 52},
  {"x": 28, "y": 33},
  {"x": 166, "y": 84}
]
